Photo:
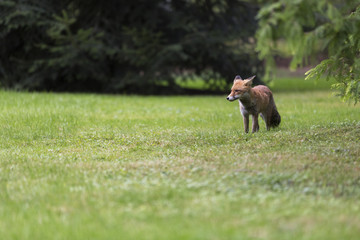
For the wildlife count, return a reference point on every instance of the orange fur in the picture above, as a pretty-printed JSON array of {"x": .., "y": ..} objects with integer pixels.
[{"x": 255, "y": 101}]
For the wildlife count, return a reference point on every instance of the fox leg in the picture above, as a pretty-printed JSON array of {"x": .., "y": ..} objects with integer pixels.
[
  {"x": 255, "y": 123},
  {"x": 268, "y": 113},
  {"x": 266, "y": 119},
  {"x": 246, "y": 122}
]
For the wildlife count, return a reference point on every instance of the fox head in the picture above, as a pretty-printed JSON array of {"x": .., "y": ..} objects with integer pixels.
[{"x": 240, "y": 88}]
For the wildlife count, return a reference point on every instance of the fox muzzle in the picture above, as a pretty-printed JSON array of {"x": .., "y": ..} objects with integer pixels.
[{"x": 232, "y": 98}]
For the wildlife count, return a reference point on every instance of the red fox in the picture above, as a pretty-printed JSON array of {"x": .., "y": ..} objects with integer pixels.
[{"x": 254, "y": 101}]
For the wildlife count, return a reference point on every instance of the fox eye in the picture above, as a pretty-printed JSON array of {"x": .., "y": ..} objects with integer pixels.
[{"x": 237, "y": 90}]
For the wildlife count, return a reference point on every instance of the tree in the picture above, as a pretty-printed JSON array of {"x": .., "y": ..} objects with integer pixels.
[
  {"x": 309, "y": 27},
  {"x": 124, "y": 46}
]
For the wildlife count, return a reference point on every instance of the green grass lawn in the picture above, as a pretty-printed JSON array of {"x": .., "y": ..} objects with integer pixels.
[
  {"x": 296, "y": 84},
  {"x": 81, "y": 166},
  {"x": 280, "y": 84}
]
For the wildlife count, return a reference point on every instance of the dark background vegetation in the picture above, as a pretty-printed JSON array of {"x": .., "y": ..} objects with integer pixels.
[{"x": 118, "y": 46}]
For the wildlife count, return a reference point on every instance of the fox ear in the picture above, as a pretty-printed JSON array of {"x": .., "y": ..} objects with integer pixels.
[
  {"x": 248, "y": 81},
  {"x": 237, "y": 77},
  {"x": 251, "y": 78}
]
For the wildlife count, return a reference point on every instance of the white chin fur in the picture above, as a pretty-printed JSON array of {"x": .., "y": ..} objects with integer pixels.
[{"x": 233, "y": 98}]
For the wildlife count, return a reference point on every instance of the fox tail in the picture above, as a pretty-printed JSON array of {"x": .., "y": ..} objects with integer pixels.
[{"x": 275, "y": 117}]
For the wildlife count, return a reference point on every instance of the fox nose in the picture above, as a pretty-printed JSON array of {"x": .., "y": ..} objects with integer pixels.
[{"x": 227, "y": 98}]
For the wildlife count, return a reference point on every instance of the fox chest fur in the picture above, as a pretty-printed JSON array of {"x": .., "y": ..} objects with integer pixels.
[{"x": 254, "y": 100}]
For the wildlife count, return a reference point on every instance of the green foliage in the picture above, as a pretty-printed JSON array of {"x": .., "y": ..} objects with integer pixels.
[
  {"x": 309, "y": 27},
  {"x": 117, "y": 46},
  {"x": 78, "y": 58}
]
